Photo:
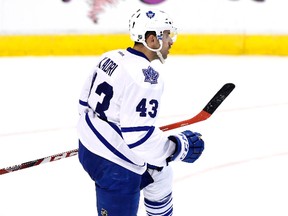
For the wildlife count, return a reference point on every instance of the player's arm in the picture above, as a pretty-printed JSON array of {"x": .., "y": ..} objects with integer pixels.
[
  {"x": 189, "y": 146},
  {"x": 83, "y": 100}
]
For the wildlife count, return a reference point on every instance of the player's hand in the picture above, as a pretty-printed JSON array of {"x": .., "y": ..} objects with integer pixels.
[{"x": 189, "y": 146}]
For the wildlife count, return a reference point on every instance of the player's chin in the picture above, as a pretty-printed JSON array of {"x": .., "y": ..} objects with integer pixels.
[{"x": 165, "y": 55}]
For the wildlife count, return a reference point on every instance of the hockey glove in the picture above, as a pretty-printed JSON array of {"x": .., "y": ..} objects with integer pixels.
[{"x": 189, "y": 146}]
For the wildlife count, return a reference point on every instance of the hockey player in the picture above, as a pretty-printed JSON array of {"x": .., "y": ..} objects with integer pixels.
[{"x": 119, "y": 146}]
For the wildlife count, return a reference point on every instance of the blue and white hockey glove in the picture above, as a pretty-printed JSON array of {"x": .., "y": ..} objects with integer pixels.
[{"x": 189, "y": 146}]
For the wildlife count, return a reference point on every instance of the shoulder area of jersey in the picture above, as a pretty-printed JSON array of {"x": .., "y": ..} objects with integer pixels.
[{"x": 127, "y": 55}]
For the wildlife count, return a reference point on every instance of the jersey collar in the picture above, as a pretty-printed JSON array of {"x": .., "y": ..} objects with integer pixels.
[{"x": 135, "y": 52}]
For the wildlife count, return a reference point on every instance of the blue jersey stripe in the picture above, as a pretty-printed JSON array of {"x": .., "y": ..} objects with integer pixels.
[
  {"x": 141, "y": 141},
  {"x": 135, "y": 129},
  {"x": 106, "y": 143},
  {"x": 83, "y": 103}
]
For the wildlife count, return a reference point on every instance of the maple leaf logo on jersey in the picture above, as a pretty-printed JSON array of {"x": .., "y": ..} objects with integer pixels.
[{"x": 151, "y": 75}]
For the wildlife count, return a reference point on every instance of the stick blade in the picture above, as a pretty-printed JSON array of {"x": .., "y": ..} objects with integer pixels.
[
  {"x": 207, "y": 111},
  {"x": 218, "y": 98}
]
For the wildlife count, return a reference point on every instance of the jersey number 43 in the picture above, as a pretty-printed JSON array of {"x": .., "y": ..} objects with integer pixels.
[{"x": 144, "y": 107}]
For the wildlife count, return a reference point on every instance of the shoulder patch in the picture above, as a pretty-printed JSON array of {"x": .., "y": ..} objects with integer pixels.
[{"x": 150, "y": 75}]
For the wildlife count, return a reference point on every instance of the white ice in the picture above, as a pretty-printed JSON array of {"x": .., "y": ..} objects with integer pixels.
[{"x": 243, "y": 170}]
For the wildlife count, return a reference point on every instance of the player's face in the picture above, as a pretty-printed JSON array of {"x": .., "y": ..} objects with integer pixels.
[{"x": 167, "y": 43}]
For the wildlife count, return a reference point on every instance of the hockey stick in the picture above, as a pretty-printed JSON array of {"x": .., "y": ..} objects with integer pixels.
[
  {"x": 205, "y": 113},
  {"x": 39, "y": 161}
]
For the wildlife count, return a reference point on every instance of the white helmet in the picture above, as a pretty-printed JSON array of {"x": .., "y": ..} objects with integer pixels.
[{"x": 151, "y": 20}]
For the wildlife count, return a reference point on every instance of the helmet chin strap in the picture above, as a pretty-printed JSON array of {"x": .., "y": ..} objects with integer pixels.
[{"x": 156, "y": 50}]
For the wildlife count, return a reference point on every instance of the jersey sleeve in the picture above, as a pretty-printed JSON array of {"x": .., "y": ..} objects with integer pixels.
[{"x": 83, "y": 99}]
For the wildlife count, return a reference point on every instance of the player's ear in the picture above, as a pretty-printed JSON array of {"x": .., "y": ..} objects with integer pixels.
[
  {"x": 152, "y": 41},
  {"x": 149, "y": 38}
]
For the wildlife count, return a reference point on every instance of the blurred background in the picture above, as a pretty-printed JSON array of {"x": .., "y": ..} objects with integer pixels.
[{"x": 89, "y": 27}]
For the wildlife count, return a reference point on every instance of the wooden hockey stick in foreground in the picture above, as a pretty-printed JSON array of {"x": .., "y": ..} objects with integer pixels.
[{"x": 205, "y": 113}]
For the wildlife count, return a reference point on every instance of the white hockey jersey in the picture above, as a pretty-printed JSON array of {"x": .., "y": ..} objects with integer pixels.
[{"x": 118, "y": 108}]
